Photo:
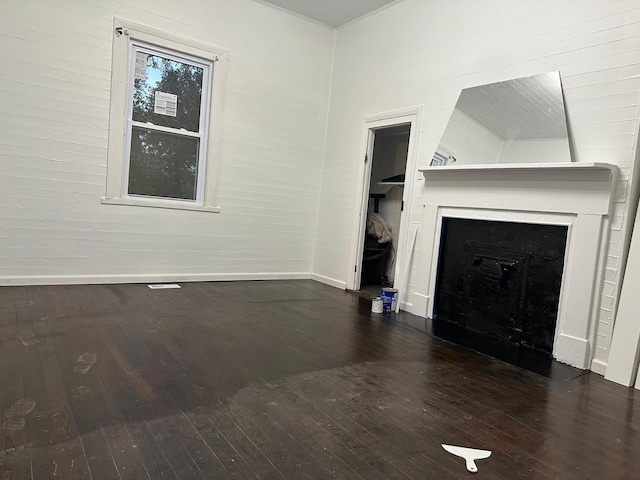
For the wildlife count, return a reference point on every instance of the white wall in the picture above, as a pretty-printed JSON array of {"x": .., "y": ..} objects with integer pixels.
[
  {"x": 425, "y": 53},
  {"x": 55, "y": 68}
]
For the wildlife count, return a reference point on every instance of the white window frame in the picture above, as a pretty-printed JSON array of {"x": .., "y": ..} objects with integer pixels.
[
  {"x": 128, "y": 35},
  {"x": 201, "y": 134}
]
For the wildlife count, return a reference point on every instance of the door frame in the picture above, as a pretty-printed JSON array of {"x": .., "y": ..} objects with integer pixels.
[{"x": 371, "y": 123}]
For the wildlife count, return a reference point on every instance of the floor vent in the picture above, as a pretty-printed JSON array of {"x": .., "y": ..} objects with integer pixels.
[{"x": 159, "y": 286}]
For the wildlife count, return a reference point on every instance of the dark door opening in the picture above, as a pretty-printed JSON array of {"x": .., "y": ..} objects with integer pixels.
[{"x": 384, "y": 210}]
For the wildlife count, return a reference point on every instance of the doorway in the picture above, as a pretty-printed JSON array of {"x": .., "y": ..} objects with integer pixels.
[{"x": 384, "y": 208}]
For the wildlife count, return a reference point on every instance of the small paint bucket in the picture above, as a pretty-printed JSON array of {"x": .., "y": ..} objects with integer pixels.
[
  {"x": 389, "y": 299},
  {"x": 376, "y": 305}
]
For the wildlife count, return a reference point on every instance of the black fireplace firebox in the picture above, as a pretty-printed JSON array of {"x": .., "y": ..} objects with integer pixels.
[{"x": 500, "y": 280}]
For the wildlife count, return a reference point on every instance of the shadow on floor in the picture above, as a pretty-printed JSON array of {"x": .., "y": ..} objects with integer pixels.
[{"x": 523, "y": 357}]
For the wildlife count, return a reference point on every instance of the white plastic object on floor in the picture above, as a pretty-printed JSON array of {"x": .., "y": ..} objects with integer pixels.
[
  {"x": 469, "y": 454},
  {"x": 159, "y": 286}
]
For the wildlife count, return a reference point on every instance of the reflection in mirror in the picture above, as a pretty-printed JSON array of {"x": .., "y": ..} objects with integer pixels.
[{"x": 516, "y": 121}]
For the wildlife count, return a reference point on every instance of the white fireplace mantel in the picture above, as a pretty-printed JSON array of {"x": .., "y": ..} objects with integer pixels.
[
  {"x": 556, "y": 187},
  {"x": 577, "y": 195},
  {"x": 571, "y": 166}
]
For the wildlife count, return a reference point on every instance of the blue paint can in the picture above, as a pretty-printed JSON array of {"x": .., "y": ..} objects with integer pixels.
[{"x": 389, "y": 299}]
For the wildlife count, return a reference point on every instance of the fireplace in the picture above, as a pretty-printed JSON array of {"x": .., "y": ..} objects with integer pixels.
[
  {"x": 573, "y": 199},
  {"x": 501, "y": 280}
]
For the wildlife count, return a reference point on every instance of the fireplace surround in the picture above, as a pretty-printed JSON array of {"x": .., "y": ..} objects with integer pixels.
[{"x": 576, "y": 195}]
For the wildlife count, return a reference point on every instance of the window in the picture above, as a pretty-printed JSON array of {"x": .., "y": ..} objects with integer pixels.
[
  {"x": 442, "y": 157},
  {"x": 166, "y": 129},
  {"x": 165, "y": 122}
]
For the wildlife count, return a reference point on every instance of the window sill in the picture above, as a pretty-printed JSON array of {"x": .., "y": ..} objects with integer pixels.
[{"x": 159, "y": 204}]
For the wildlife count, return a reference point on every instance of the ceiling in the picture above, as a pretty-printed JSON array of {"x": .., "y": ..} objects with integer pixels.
[{"x": 330, "y": 12}]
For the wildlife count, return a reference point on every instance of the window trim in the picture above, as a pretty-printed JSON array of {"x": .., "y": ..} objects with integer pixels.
[{"x": 126, "y": 32}]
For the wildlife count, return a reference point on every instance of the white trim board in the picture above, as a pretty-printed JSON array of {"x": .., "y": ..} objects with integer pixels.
[
  {"x": 599, "y": 367},
  {"x": 25, "y": 280},
  {"x": 409, "y": 115},
  {"x": 624, "y": 352}
]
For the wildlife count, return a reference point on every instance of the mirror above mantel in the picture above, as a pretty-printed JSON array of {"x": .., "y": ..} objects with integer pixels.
[{"x": 520, "y": 121}]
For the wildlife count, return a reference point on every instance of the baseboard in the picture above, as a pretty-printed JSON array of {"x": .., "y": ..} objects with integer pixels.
[
  {"x": 572, "y": 351},
  {"x": 419, "y": 304},
  {"x": 329, "y": 281},
  {"x": 148, "y": 278},
  {"x": 406, "y": 307},
  {"x": 599, "y": 367}
]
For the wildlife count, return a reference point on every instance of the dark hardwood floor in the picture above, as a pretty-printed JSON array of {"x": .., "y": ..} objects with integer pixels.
[{"x": 273, "y": 380}]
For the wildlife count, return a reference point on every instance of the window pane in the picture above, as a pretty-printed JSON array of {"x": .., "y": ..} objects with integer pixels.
[
  {"x": 163, "y": 164},
  {"x": 154, "y": 73}
]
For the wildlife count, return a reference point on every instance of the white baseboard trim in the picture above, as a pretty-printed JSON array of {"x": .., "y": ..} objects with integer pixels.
[
  {"x": 420, "y": 304},
  {"x": 572, "y": 350},
  {"x": 599, "y": 367},
  {"x": 148, "y": 278},
  {"x": 406, "y": 307},
  {"x": 329, "y": 281}
]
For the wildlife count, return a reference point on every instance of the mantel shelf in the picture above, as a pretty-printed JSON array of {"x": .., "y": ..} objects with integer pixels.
[{"x": 515, "y": 167}]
